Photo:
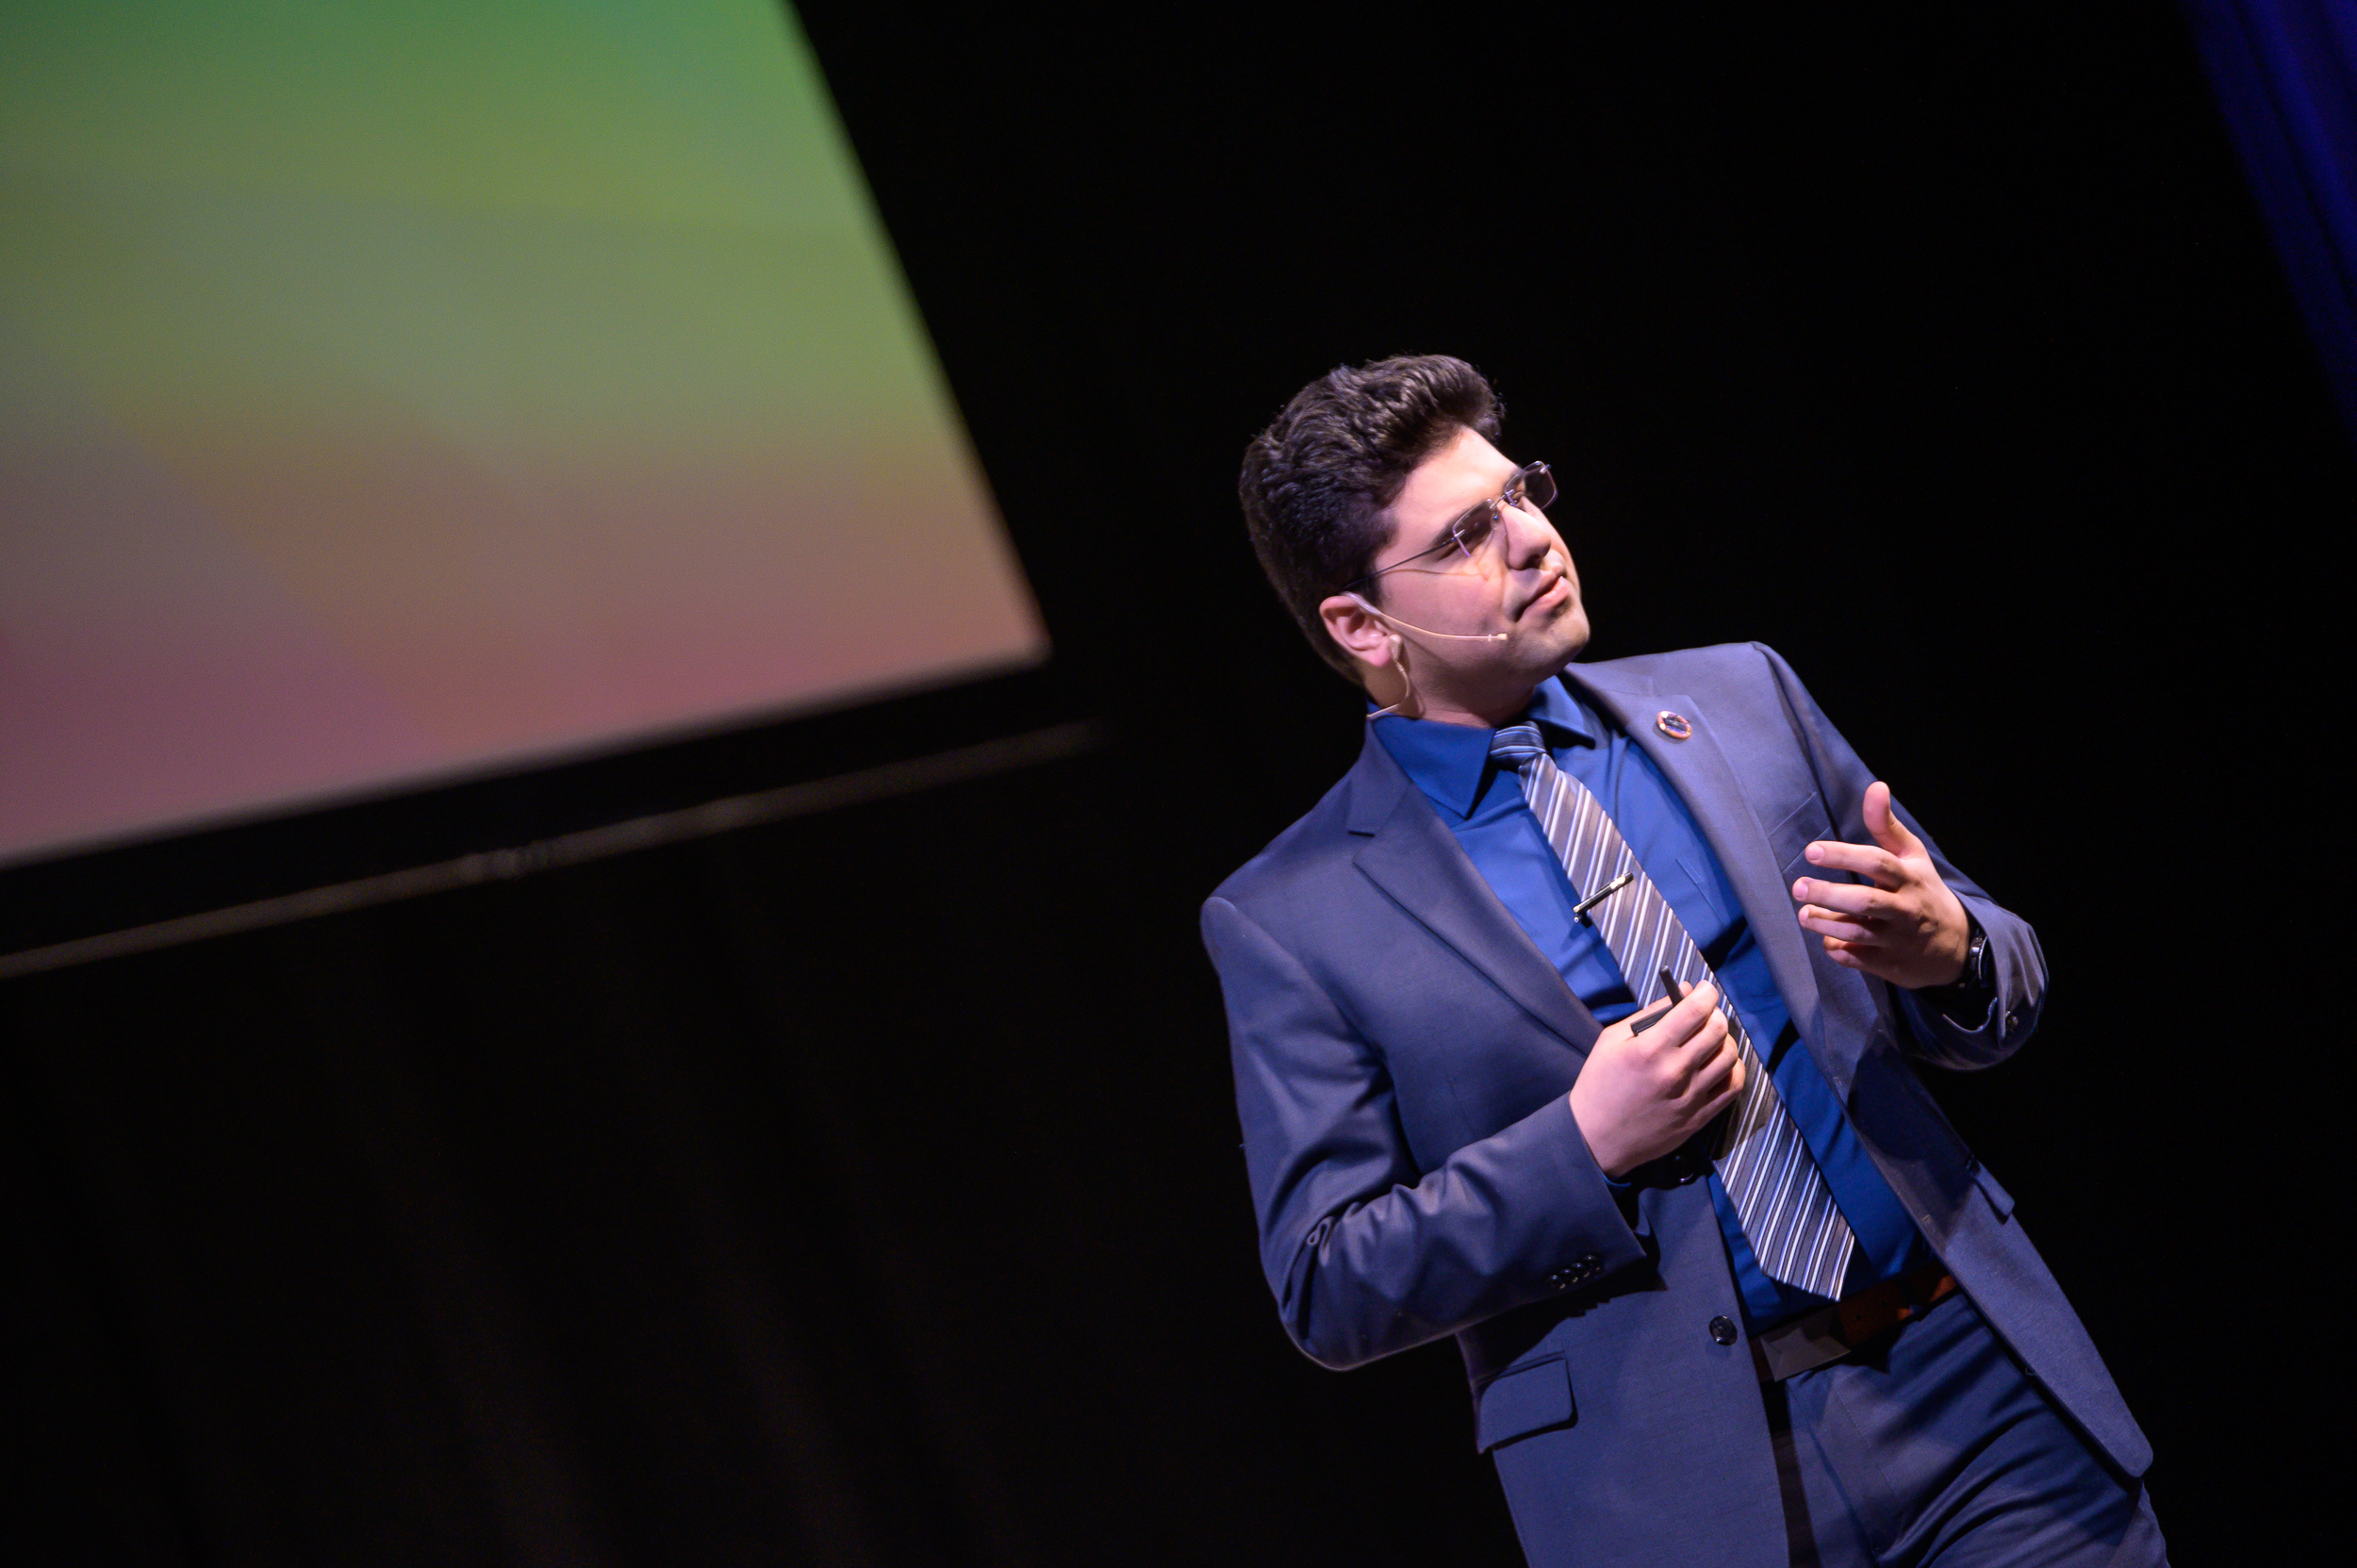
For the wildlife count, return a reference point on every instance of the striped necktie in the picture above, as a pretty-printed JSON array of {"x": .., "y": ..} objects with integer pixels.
[{"x": 1787, "y": 1211}]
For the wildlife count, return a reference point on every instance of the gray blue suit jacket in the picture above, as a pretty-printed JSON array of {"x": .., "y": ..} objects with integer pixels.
[{"x": 1403, "y": 1053}]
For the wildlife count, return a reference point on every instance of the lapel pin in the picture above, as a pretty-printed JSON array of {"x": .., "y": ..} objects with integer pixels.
[{"x": 1672, "y": 725}]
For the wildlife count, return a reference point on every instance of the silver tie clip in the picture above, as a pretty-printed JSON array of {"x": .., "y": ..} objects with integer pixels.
[{"x": 1579, "y": 910}]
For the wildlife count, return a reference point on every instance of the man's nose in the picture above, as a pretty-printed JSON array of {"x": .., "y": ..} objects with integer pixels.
[{"x": 1528, "y": 539}]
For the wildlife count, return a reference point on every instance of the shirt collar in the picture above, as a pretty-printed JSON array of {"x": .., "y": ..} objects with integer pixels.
[
  {"x": 1450, "y": 763},
  {"x": 1554, "y": 706}
]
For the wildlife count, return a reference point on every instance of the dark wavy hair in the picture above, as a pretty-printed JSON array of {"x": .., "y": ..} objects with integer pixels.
[{"x": 1316, "y": 482}]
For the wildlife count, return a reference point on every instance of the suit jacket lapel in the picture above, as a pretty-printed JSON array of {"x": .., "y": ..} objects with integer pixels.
[
  {"x": 1410, "y": 854},
  {"x": 1699, "y": 771}
]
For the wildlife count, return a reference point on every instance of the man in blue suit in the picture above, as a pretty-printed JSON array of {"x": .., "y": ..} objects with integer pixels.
[{"x": 1577, "y": 1022}]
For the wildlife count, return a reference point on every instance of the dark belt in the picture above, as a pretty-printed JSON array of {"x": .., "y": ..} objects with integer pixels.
[{"x": 1832, "y": 1332}]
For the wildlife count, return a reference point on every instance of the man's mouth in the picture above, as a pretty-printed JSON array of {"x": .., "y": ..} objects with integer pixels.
[{"x": 1557, "y": 582}]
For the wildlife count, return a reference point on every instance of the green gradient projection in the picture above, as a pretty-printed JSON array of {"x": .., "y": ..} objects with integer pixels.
[{"x": 387, "y": 390}]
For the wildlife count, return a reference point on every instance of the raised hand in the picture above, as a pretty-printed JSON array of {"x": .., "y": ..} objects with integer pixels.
[{"x": 1907, "y": 926}]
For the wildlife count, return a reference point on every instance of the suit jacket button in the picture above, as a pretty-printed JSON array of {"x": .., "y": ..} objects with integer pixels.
[
  {"x": 1560, "y": 1279},
  {"x": 1723, "y": 1331}
]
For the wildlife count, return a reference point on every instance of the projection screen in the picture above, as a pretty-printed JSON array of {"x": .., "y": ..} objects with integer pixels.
[{"x": 396, "y": 390}]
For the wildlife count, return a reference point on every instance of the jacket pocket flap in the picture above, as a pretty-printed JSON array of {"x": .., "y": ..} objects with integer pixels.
[
  {"x": 1522, "y": 1400},
  {"x": 1803, "y": 825}
]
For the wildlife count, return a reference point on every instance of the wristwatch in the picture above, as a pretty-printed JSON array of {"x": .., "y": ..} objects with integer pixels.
[
  {"x": 1971, "y": 991},
  {"x": 1976, "y": 968}
]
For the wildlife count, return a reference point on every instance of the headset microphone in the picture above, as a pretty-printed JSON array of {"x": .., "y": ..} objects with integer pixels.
[
  {"x": 1453, "y": 636},
  {"x": 1410, "y": 696}
]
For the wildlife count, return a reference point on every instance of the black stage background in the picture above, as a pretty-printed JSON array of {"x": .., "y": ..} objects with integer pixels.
[{"x": 864, "y": 1189}]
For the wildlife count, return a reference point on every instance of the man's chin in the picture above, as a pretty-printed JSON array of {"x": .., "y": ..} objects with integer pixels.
[{"x": 1566, "y": 635}]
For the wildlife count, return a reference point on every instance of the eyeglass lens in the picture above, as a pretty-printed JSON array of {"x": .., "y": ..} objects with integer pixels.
[{"x": 1533, "y": 487}]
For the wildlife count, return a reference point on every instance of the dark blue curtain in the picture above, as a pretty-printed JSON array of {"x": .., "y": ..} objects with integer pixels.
[{"x": 2286, "y": 73}]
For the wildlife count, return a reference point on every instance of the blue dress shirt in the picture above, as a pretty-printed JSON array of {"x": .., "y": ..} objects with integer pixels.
[{"x": 1483, "y": 806}]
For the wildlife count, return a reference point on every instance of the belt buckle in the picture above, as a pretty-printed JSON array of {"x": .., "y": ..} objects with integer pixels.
[
  {"x": 1832, "y": 1331},
  {"x": 1806, "y": 1343}
]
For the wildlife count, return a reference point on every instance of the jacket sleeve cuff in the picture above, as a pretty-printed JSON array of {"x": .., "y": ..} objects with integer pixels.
[
  {"x": 1972, "y": 1026},
  {"x": 1603, "y": 1211}
]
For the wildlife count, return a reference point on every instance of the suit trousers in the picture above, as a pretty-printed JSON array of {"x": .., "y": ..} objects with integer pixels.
[{"x": 1931, "y": 1447}]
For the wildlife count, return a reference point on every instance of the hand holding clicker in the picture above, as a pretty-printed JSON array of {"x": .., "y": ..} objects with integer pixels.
[{"x": 1655, "y": 1080}]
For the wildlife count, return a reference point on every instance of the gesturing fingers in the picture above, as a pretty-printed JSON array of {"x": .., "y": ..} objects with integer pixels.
[
  {"x": 1882, "y": 821},
  {"x": 1846, "y": 898},
  {"x": 1884, "y": 869},
  {"x": 1824, "y": 922},
  {"x": 1867, "y": 958},
  {"x": 1844, "y": 910},
  {"x": 1845, "y": 953}
]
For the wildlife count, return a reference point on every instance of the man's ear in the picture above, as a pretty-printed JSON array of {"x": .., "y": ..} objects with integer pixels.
[{"x": 1359, "y": 630}]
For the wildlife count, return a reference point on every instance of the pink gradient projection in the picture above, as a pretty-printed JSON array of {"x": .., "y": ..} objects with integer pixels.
[{"x": 367, "y": 420}]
